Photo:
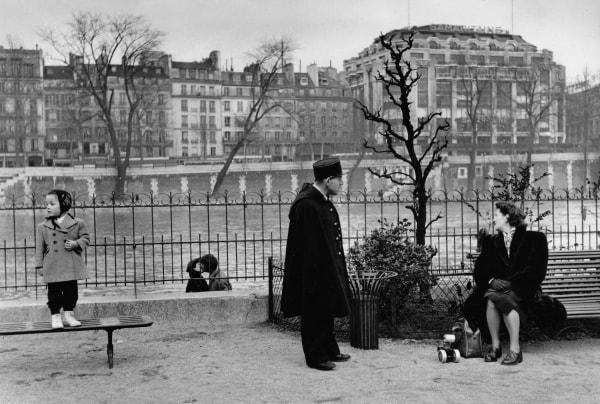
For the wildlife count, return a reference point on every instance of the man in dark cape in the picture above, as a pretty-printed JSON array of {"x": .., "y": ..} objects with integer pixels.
[{"x": 315, "y": 284}]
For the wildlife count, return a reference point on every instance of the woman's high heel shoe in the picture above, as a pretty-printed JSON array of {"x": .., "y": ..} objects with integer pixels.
[
  {"x": 513, "y": 358},
  {"x": 493, "y": 354}
]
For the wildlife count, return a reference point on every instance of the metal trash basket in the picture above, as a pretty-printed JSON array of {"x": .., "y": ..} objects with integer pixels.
[{"x": 365, "y": 289}]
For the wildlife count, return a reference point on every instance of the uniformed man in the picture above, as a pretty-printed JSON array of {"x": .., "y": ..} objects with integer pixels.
[{"x": 315, "y": 284}]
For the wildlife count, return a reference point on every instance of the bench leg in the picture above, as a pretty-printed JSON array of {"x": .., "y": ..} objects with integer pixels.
[{"x": 109, "y": 349}]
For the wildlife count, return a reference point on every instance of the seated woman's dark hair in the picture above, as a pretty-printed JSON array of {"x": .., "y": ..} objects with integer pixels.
[
  {"x": 516, "y": 218},
  {"x": 209, "y": 262}
]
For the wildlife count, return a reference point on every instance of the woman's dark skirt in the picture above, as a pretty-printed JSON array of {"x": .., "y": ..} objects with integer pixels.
[{"x": 506, "y": 302}]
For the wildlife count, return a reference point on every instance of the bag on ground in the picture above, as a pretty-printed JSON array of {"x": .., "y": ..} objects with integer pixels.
[{"x": 468, "y": 343}]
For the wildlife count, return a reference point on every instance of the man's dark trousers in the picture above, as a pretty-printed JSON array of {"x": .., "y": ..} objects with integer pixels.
[{"x": 318, "y": 339}]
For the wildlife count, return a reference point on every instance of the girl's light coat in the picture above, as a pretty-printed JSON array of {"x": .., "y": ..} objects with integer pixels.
[{"x": 56, "y": 263}]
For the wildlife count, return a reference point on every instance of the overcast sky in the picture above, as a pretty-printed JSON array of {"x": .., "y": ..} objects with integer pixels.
[{"x": 325, "y": 30}]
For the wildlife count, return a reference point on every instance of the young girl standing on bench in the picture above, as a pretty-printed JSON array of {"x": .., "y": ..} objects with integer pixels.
[{"x": 60, "y": 243}]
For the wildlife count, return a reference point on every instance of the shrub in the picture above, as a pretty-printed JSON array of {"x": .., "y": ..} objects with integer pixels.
[{"x": 390, "y": 248}]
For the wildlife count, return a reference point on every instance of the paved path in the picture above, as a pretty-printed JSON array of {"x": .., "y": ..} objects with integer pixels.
[{"x": 258, "y": 363}]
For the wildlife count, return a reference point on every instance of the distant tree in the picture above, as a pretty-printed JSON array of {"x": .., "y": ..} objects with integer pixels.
[
  {"x": 475, "y": 98},
  {"x": 535, "y": 98},
  {"x": 108, "y": 54},
  {"x": 582, "y": 96},
  {"x": 267, "y": 63},
  {"x": 401, "y": 136}
]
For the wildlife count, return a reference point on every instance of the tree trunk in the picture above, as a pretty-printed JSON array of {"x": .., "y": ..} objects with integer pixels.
[
  {"x": 420, "y": 213},
  {"x": 223, "y": 173},
  {"x": 472, "y": 157},
  {"x": 119, "y": 188},
  {"x": 354, "y": 167}
]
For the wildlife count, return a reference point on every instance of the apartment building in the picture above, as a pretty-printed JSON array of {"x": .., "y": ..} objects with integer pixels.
[
  {"x": 22, "y": 128},
  {"x": 197, "y": 108}
]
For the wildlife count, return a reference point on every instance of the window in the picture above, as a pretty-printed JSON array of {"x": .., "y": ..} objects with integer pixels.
[
  {"x": 212, "y": 136},
  {"x": 211, "y": 91},
  {"x": 122, "y": 116},
  {"x": 477, "y": 59},
  {"x": 498, "y": 60},
  {"x": 444, "y": 94},
  {"x": 184, "y": 136},
  {"x": 183, "y": 89},
  {"x": 162, "y": 117},
  {"x": 238, "y": 91},
  {"x": 504, "y": 95},
  {"x": 458, "y": 59},
  {"x": 240, "y": 106},
  {"x": 184, "y": 121},
  {"x": 184, "y": 152},
  {"x": 226, "y": 105},
  {"x": 438, "y": 59},
  {"x": 227, "y": 121},
  {"x": 213, "y": 151},
  {"x": 203, "y": 106},
  {"x": 211, "y": 107},
  {"x": 226, "y": 91},
  {"x": 184, "y": 106},
  {"x": 226, "y": 135},
  {"x": 122, "y": 99},
  {"x": 462, "y": 172},
  {"x": 149, "y": 118},
  {"x": 211, "y": 121},
  {"x": 161, "y": 99},
  {"x": 423, "y": 88}
]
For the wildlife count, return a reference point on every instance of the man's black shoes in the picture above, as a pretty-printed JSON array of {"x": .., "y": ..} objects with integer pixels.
[
  {"x": 339, "y": 357},
  {"x": 327, "y": 365}
]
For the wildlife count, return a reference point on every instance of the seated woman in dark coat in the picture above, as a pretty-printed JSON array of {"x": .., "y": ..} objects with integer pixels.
[{"x": 508, "y": 274}]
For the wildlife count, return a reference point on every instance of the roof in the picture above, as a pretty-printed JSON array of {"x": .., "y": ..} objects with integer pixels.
[
  {"x": 460, "y": 32},
  {"x": 58, "y": 73}
]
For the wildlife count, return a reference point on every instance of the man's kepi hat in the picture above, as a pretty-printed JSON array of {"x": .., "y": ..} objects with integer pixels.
[{"x": 329, "y": 167}]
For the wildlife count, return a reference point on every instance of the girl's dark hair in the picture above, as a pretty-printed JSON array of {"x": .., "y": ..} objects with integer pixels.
[
  {"x": 65, "y": 200},
  {"x": 516, "y": 218},
  {"x": 209, "y": 262}
]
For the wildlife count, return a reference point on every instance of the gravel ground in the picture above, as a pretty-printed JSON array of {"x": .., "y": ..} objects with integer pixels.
[{"x": 258, "y": 363}]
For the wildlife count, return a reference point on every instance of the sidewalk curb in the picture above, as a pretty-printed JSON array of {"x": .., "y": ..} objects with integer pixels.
[{"x": 166, "y": 309}]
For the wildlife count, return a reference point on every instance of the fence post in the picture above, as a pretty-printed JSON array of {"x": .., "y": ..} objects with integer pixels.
[{"x": 271, "y": 289}]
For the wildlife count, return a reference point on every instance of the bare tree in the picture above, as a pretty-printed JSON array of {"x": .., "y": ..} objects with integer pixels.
[
  {"x": 474, "y": 96},
  {"x": 535, "y": 101},
  {"x": 399, "y": 79},
  {"x": 107, "y": 55},
  {"x": 581, "y": 109},
  {"x": 267, "y": 62}
]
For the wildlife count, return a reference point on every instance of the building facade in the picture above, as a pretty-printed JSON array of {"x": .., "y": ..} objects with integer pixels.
[
  {"x": 520, "y": 89},
  {"x": 22, "y": 130},
  {"x": 197, "y": 109}
]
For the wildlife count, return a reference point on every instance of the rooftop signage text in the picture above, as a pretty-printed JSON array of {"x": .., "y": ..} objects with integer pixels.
[{"x": 469, "y": 28}]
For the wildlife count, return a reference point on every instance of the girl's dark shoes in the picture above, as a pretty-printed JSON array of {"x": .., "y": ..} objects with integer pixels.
[
  {"x": 513, "y": 358},
  {"x": 493, "y": 354}
]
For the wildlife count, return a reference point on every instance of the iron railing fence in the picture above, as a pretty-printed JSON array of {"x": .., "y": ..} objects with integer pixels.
[
  {"x": 424, "y": 320},
  {"x": 148, "y": 238}
]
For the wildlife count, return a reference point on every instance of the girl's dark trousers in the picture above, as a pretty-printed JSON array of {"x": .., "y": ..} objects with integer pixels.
[{"x": 62, "y": 294}]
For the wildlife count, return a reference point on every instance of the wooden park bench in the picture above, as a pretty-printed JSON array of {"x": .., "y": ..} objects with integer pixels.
[
  {"x": 573, "y": 277},
  {"x": 108, "y": 324}
]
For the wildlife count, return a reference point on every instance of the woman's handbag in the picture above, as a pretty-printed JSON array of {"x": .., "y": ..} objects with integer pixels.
[{"x": 468, "y": 343}]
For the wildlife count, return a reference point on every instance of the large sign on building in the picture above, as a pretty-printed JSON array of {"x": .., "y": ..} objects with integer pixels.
[{"x": 468, "y": 28}]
